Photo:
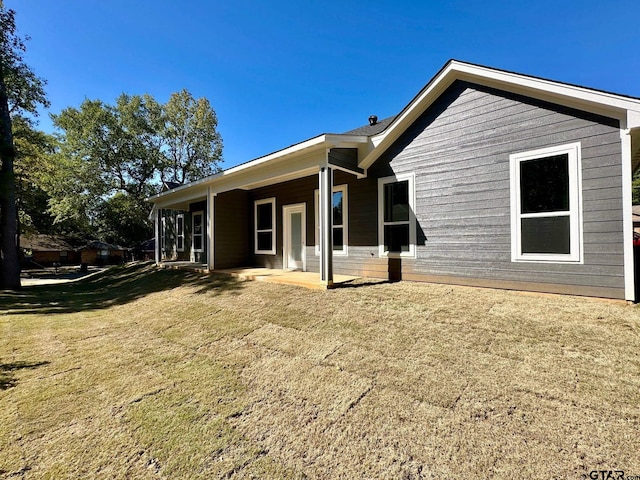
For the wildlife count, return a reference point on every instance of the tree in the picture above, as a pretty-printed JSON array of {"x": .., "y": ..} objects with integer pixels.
[
  {"x": 21, "y": 91},
  {"x": 193, "y": 144},
  {"x": 112, "y": 157}
]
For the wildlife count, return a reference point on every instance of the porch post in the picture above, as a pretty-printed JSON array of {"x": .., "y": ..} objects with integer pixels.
[
  {"x": 325, "y": 215},
  {"x": 210, "y": 228},
  {"x": 156, "y": 229}
]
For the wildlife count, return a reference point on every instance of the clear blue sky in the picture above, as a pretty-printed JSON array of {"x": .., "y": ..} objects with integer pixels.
[{"x": 279, "y": 72}]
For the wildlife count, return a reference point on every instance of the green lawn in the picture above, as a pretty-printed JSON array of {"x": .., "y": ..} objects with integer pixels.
[{"x": 140, "y": 373}]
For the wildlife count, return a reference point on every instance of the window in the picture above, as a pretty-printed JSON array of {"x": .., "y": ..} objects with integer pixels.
[
  {"x": 264, "y": 221},
  {"x": 197, "y": 234},
  {"x": 340, "y": 220},
  {"x": 546, "y": 205},
  {"x": 180, "y": 232},
  {"x": 396, "y": 217},
  {"x": 163, "y": 235}
]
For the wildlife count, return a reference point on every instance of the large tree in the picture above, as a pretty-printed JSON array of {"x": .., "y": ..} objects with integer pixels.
[
  {"x": 21, "y": 91},
  {"x": 112, "y": 157}
]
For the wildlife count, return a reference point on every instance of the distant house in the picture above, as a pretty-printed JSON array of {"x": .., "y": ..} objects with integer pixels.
[
  {"x": 487, "y": 178},
  {"x": 102, "y": 253},
  {"x": 47, "y": 250}
]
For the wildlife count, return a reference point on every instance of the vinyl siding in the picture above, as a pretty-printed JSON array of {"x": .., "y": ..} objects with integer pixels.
[
  {"x": 232, "y": 219},
  {"x": 459, "y": 151}
]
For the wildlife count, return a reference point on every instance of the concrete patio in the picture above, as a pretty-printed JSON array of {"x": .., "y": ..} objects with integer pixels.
[{"x": 302, "y": 279}]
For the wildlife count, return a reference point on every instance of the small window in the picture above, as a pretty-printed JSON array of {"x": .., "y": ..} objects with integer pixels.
[
  {"x": 197, "y": 234},
  {"x": 340, "y": 220},
  {"x": 103, "y": 254},
  {"x": 265, "y": 220},
  {"x": 163, "y": 236},
  {"x": 396, "y": 217},
  {"x": 180, "y": 232},
  {"x": 545, "y": 205}
]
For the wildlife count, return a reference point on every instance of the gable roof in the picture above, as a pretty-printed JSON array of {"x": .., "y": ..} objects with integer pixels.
[
  {"x": 373, "y": 140},
  {"x": 45, "y": 243},
  {"x": 624, "y": 108}
]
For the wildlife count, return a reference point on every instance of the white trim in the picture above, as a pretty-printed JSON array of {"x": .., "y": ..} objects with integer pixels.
[
  {"x": 345, "y": 220},
  {"x": 287, "y": 210},
  {"x": 272, "y": 250},
  {"x": 627, "y": 217},
  {"x": 610, "y": 105},
  {"x": 573, "y": 151},
  {"x": 179, "y": 216},
  {"x": 411, "y": 178},
  {"x": 211, "y": 246},
  {"x": 202, "y": 231}
]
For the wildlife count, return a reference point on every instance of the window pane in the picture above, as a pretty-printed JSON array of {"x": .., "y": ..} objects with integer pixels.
[
  {"x": 180, "y": 243},
  {"x": 264, "y": 240},
  {"x": 546, "y": 235},
  {"x": 338, "y": 238},
  {"x": 396, "y": 201},
  {"x": 197, "y": 242},
  {"x": 544, "y": 184},
  {"x": 337, "y": 208},
  {"x": 180, "y": 225},
  {"x": 197, "y": 224},
  {"x": 396, "y": 238},
  {"x": 265, "y": 218}
]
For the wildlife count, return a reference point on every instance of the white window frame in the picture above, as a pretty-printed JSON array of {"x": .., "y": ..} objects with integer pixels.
[
  {"x": 411, "y": 179},
  {"x": 201, "y": 234},
  {"x": 272, "y": 250},
  {"x": 573, "y": 151},
  {"x": 179, "y": 233},
  {"x": 163, "y": 237},
  {"x": 345, "y": 220}
]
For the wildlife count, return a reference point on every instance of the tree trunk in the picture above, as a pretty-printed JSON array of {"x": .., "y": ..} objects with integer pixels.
[{"x": 10, "y": 266}]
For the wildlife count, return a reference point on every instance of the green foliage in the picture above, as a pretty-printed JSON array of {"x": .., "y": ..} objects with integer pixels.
[
  {"x": 636, "y": 187},
  {"x": 111, "y": 157}
]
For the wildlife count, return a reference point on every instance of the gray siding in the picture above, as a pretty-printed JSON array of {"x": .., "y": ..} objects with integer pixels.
[{"x": 459, "y": 151}]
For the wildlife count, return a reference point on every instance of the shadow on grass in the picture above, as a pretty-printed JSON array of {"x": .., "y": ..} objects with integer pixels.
[
  {"x": 116, "y": 286},
  {"x": 8, "y": 379}
]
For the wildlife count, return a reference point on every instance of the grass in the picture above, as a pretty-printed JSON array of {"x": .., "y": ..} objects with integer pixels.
[{"x": 140, "y": 373}]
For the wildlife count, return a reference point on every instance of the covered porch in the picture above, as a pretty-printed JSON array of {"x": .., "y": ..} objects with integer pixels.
[{"x": 259, "y": 220}]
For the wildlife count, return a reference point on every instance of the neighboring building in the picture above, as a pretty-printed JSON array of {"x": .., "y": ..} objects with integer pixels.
[
  {"x": 486, "y": 178},
  {"x": 47, "y": 250},
  {"x": 102, "y": 253}
]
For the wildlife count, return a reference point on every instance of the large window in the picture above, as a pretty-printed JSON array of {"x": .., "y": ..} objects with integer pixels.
[
  {"x": 396, "y": 217},
  {"x": 339, "y": 205},
  {"x": 197, "y": 234},
  {"x": 180, "y": 232},
  {"x": 265, "y": 221},
  {"x": 546, "y": 205}
]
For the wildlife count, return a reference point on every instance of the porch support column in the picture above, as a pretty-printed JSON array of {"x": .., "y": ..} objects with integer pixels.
[
  {"x": 157, "y": 235},
  {"x": 210, "y": 229},
  {"x": 325, "y": 205}
]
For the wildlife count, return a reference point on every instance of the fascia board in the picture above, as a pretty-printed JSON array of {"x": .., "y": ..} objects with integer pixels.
[{"x": 625, "y": 109}]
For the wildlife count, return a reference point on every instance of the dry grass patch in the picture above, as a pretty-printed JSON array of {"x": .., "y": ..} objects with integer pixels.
[{"x": 164, "y": 374}]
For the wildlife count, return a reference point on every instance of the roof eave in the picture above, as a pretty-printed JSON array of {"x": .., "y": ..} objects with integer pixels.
[{"x": 625, "y": 109}]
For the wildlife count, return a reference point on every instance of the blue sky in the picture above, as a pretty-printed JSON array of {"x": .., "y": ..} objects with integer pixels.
[{"x": 279, "y": 72}]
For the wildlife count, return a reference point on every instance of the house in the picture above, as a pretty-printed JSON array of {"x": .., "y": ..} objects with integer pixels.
[
  {"x": 101, "y": 253},
  {"x": 487, "y": 178},
  {"x": 47, "y": 250}
]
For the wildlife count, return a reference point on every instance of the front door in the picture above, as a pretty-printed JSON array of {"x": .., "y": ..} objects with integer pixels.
[{"x": 294, "y": 243}]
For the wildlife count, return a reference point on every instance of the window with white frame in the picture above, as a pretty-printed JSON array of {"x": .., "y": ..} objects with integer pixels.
[
  {"x": 339, "y": 206},
  {"x": 265, "y": 221},
  {"x": 546, "y": 197},
  {"x": 197, "y": 232},
  {"x": 180, "y": 232},
  {"x": 163, "y": 234},
  {"x": 396, "y": 216}
]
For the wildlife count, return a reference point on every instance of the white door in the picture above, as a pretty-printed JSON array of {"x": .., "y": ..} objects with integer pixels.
[{"x": 294, "y": 243}]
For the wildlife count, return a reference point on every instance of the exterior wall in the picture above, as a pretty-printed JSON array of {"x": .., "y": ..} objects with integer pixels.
[
  {"x": 171, "y": 252},
  {"x": 286, "y": 193},
  {"x": 233, "y": 217},
  {"x": 459, "y": 151}
]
